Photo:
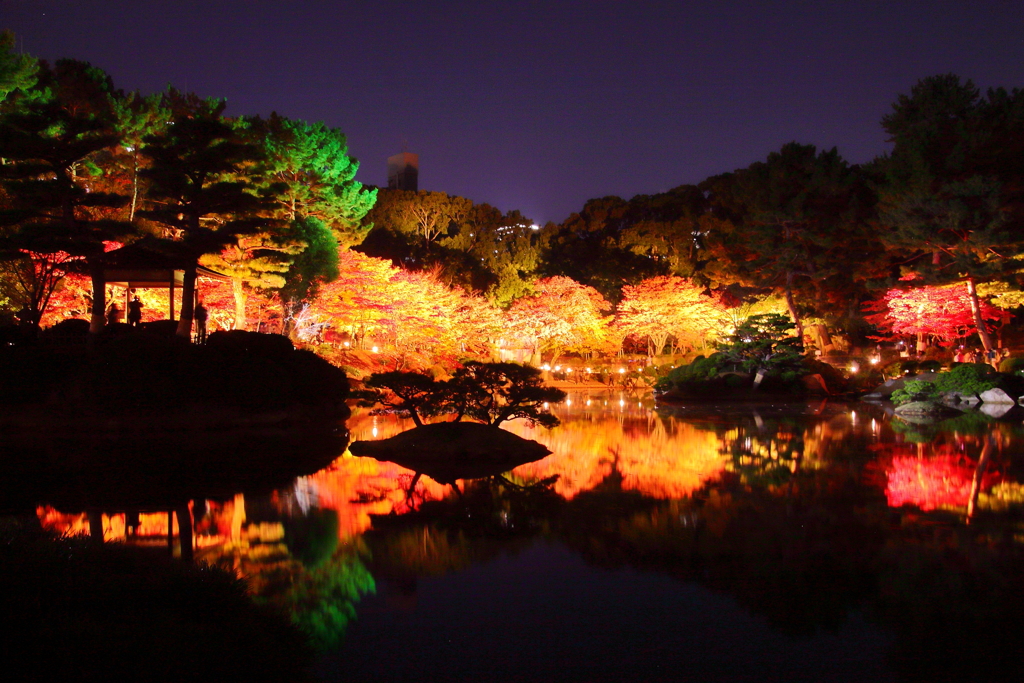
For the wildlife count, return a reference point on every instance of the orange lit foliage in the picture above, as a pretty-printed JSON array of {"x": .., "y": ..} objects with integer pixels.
[
  {"x": 433, "y": 317},
  {"x": 69, "y": 300},
  {"x": 374, "y": 300},
  {"x": 360, "y": 487},
  {"x": 669, "y": 307},
  {"x": 940, "y": 312},
  {"x": 73, "y": 296},
  {"x": 941, "y": 481},
  {"x": 262, "y": 309},
  {"x": 561, "y": 314},
  {"x": 587, "y": 452},
  {"x": 359, "y": 301}
]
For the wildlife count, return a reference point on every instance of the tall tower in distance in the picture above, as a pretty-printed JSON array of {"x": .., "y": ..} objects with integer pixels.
[{"x": 404, "y": 171}]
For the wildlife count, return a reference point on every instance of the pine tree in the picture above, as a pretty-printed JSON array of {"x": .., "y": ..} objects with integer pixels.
[
  {"x": 51, "y": 139},
  {"x": 952, "y": 196},
  {"x": 201, "y": 186},
  {"x": 316, "y": 176},
  {"x": 790, "y": 225}
]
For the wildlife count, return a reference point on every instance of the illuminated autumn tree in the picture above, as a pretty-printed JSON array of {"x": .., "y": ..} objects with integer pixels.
[
  {"x": 943, "y": 313},
  {"x": 254, "y": 261},
  {"x": 476, "y": 324},
  {"x": 30, "y": 279},
  {"x": 440, "y": 320},
  {"x": 410, "y": 311},
  {"x": 669, "y": 307},
  {"x": 262, "y": 307},
  {"x": 360, "y": 301},
  {"x": 561, "y": 313},
  {"x": 952, "y": 192},
  {"x": 71, "y": 298}
]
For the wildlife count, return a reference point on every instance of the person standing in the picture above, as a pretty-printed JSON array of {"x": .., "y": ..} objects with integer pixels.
[
  {"x": 134, "y": 312},
  {"x": 200, "y": 315}
]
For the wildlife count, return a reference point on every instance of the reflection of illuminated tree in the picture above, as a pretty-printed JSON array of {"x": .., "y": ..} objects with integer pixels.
[
  {"x": 942, "y": 481},
  {"x": 649, "y": 460},
  {"x": 927, "y": 432},
  {"x": 450, "y": 534},
  {"x": 422, "y": 551},
  {"x": 322, "y": 601},
  {"x": 767, "y": 455},
  {"x": 312, "y": 537}
]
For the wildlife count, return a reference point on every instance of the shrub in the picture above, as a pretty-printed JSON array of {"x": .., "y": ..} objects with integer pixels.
[
  {"x": 1012, "y": 366},
  {"x": 915, "y": 390},
  {"x": 967, "y": 378},
  {"x": 763, "y": 343},
  {"x": 700, "y": 370},
  {"x": 900, "y": 368}
]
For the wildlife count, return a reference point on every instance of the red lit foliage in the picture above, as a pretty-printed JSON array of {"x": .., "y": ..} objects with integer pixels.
[{"x": 943, "y": 313}]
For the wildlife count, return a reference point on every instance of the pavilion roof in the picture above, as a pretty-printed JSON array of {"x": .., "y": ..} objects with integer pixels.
[{"x": 150, "y": 264}]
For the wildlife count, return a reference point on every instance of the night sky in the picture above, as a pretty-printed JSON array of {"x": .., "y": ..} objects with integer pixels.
[{"x": 539, "y": 106}]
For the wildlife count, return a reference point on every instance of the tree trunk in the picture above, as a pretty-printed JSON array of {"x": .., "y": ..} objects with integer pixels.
[
  {"x": 239, "y": 292},
  {"x": 188, "y": 302},
  {"x": 979, "y": 473},
  {"x": 95, "y": 526},
  {"x": 184, "y": 516},
  {"x": 135, "y": 185},
  {"x": 288, "y": 319},
  {"x": 792, "y": 308},
  {"x": 979, "y": 322},
  {"x": 99, "y": 298}
]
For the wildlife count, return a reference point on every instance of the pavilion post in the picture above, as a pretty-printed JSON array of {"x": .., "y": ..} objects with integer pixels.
[{"x": 171, "y": 300}]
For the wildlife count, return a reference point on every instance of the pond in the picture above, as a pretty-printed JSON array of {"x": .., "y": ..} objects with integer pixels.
[{"x": 805, "y": 541}]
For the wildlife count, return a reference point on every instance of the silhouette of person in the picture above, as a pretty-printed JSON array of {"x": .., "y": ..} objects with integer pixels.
[
  {"x": 134, "y": 312},
  {"x": 199, "y": 316},
  {"x": 113, "y": 314}
]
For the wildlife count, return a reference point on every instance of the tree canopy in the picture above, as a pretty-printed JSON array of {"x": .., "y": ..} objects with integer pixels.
[{"x": 952, "y": 191}]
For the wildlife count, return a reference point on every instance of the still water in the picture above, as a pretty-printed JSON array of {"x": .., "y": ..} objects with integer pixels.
[{"x": 791, "y": 542}]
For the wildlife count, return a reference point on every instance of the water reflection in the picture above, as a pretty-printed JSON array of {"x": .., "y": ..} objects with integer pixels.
[{"x": 809, "y": 516}]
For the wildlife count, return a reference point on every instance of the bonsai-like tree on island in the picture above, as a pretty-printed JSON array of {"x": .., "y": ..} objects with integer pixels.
[
  {"x": 763, "y": 344},
  {"x": 490, "y": 393}
]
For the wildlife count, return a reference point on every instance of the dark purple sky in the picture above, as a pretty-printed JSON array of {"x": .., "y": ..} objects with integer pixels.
[{"x": 542, "y": 105}]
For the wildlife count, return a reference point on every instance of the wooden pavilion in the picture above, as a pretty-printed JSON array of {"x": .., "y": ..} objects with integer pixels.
[{"x": 143, "y": 266}]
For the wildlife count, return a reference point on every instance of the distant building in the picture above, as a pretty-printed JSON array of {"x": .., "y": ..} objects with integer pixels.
[{"x": 404, "y": 171}]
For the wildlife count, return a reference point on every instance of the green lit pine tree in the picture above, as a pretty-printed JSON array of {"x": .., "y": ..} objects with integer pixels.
[{"x": 51, "y": 137}]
